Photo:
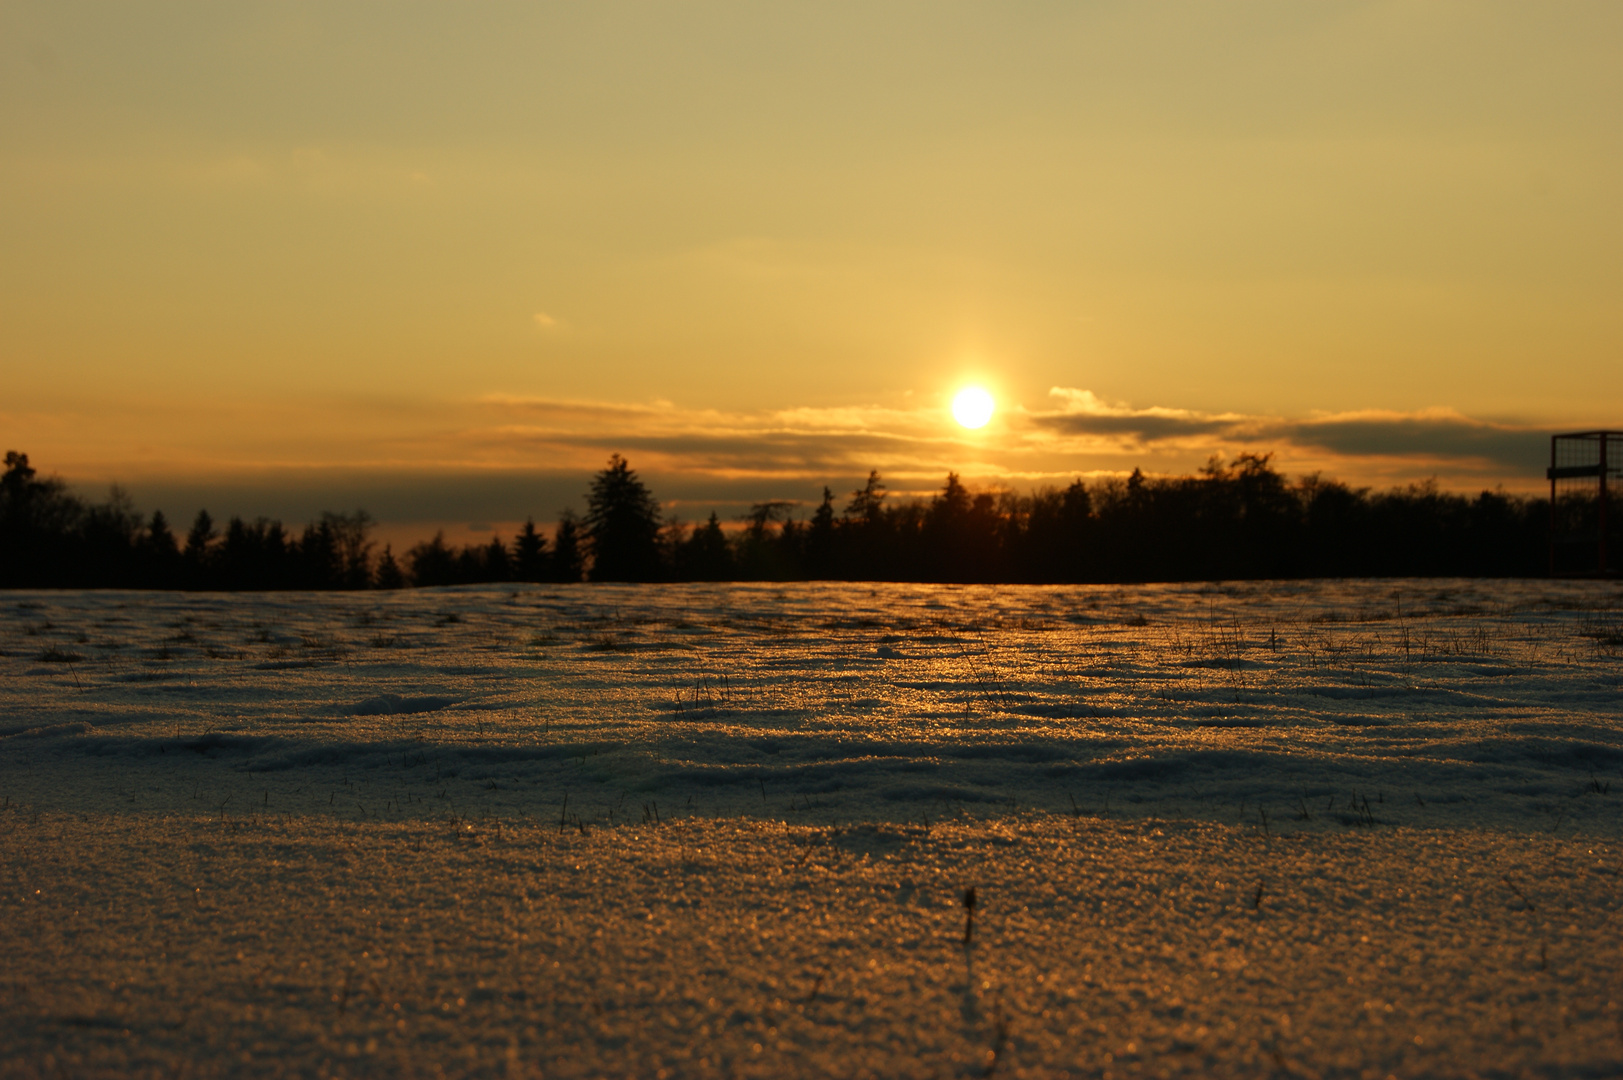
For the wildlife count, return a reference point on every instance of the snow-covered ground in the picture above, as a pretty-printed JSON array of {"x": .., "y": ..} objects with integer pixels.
[
  {"x": 726, "y": 829},
  {"x": 1453, "y": 702}
]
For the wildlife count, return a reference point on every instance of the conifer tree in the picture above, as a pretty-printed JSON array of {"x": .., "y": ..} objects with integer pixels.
[
  {"x": 820, "y": 539},
  {"x": 159, "y": 539},
  {"x": 432, "y": 562},
  {"x": 705, "y": 554},
  {"x": 567, "y": 561},
  {"x": 388, "y": 575},
  {"x": 161, "y": 553},
  {"x": 622, "y": 525},
  {"x": 201, "y": 536},
  {"x": 529, "y": 554},
  {"x": 496, "y": 566},
  {"x": 199, "y": 551},
  {"x": 867, "y": 502}
]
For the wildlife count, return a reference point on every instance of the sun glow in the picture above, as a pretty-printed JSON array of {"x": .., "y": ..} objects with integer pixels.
[{"x": 972, "y": 407}]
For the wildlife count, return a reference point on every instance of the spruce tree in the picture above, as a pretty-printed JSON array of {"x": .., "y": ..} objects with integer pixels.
[
  {"x": 201, "y": 536},
  {"x": 567, "y": 561},
  {"x": 199, "y": 551},
  {"x": 529, "y": 554},
  {"x": 432, "y": 562},
  {"x": 820, "y": 539},
  {"x": 388, "y": 575},
  {"x": 161, "y": 554},
  {"x": 707, "y": 557},
  {"x": 622, "y": 525},
  {"x": 497, "y": 566},
  {"x": 160, "y": 540}
]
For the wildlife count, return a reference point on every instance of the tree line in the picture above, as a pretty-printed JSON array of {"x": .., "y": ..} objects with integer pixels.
[{"x": 1232, "y": 520}]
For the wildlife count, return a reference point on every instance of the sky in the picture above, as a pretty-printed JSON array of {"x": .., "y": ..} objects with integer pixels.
[{"x": 440, "y": 260}]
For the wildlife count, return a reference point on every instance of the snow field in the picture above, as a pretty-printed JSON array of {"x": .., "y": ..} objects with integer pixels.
[
  {"x": 304, "y": 947},
  {"x": 719, "y": 830},
  {"x": 1439, "y": 703}
]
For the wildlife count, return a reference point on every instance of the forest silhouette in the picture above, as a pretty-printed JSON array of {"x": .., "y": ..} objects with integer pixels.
[{"x": 1238, "y": 519}]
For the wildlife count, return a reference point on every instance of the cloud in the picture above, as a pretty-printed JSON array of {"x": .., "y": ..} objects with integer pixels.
[
  {"x": 1440, "y": 435},
  {"x": 1422, "y": 439},
  {"x": 799, "y": 442},
  {"x": 1084, "y": 435},
  {"x": 1082, "y": 412}
]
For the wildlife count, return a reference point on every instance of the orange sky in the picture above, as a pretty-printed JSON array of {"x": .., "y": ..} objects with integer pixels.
[{"x": 442, "y": 259}]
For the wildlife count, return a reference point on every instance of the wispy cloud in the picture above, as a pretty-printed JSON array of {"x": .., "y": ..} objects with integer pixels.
[
  {"x": 1362, "y": 443},
  {"x": 1081, "y": 412},
  {"x": 1079, "y": 433},
  {"x": 797, "y": 443}
]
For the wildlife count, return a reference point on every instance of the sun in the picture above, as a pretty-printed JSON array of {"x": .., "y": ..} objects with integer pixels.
[{"x": 972, "y": 407}]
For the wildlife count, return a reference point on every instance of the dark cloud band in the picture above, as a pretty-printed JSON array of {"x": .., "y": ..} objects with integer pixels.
[{"x": 1518, "y": 449}]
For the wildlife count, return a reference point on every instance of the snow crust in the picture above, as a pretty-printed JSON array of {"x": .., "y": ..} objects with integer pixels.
[{"x": 726, "y": 829}]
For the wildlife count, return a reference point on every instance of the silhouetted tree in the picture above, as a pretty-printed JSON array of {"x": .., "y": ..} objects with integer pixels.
[
  {"x": 432, "y": 562},
  {"x": 484, "y": 562},
  {"x": 866, "y": 549},
  {"x": 108, "y": 536},
  {"x": 1057, "y": 543},
  {"x": 161, "y": 554},
  {"x": 352, "y": 546},
  {"x": 961, "y": 535},
  {"x": 622, "y": 525},
  {"x": 704, "y": 556},
  {"x": 762, "y": 555},
  {"x": 867, "y": 502},
  {"x": 790, "y": 550},
  {"x": 530, "y": 554},
  {"x": 1233, "y": 519},
  {"x": 568, "y": 564},
  {"x": 388, "y": 575},
  {"x": 38, "y": 519},
  {"x": 819, "y": 558},
  {"x": 199, "y": 551},
  {"x": 257, "y": 555},
  {"x": 317, "y": 560},
  {"x": 17, "y": 481}
]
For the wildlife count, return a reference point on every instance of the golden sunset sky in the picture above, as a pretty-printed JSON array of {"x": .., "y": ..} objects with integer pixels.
[{"x": 441, "y": 259}]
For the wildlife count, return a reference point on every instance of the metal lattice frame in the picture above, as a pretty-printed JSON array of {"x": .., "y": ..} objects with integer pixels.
[{"x": 1582, "y": 468}]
